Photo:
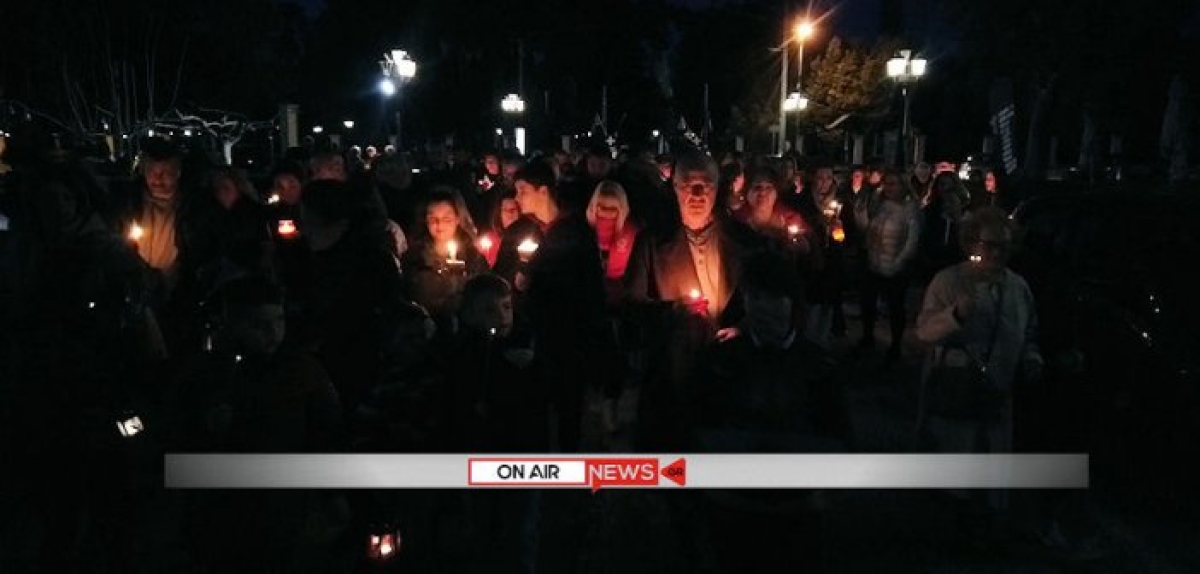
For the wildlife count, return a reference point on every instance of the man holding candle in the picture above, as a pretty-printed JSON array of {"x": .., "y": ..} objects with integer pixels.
[
  {"x": 695, "y": 271},
  {"x": 560, "y": 277}
]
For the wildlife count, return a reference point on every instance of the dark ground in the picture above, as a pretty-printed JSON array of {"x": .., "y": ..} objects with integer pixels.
[{"x": 1114, "y": 527}]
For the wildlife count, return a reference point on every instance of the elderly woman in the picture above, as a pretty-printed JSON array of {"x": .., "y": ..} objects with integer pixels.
[
  {"x": 608, "y": 214},
  {"x": 981, "y": 319},
  {"x": 892, "y": 225}
]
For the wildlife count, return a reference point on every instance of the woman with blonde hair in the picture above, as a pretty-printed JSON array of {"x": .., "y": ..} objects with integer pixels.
[{"x": 608, "y": 214}]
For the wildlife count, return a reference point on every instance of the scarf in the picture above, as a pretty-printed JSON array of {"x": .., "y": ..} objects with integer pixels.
[{"x": 606, "y": 232}]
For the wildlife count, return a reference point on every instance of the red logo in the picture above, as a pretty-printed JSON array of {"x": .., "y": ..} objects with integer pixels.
[
  {"x": 676, "y": 472},
  {"x": 622, "y": 472}
]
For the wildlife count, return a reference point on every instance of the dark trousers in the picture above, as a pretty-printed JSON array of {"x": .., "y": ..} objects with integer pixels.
[{"x": 893, "y": 290}]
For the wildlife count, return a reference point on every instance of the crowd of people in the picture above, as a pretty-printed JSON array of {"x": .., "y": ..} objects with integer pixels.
[{"x": 356, "y": 304}]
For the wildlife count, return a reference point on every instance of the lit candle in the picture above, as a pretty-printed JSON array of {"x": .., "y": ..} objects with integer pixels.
[
  {"x": 383, "y": 546},
  {"x": 485, "y": 243},
  {"x": 136, "y": 232},
  {"x": 527, "y": 248},
  {"x": 839, "y": 234},
  {"x": 273, "y": 199},
  {"x": 697, "y": 304},
  {"x": 130, "y": 425},
  {"x": 286, "y": 228},
  {"x": 452, "y": 249},
  {"x": 976, "y": 259}
]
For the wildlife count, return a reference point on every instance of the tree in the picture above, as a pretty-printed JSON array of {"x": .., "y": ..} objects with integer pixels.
[{"x": 845, "y": 80}]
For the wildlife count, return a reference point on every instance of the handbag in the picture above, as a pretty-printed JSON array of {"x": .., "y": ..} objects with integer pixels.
[{"x": 960, "y": 386}]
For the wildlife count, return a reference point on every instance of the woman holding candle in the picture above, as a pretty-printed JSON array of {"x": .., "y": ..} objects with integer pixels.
[
  {"x": 608, "y": 214},
  {"x": 505, "y": 213},
  {"x": 442, "y": 259},
  {"x": 892, "y": 227},
  {"x": 764, "y": 213}
]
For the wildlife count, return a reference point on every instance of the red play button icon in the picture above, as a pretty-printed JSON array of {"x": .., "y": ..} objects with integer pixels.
[{"x": 676, "y": 472}]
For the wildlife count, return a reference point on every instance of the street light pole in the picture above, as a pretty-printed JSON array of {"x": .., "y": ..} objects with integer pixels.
[
  {"x": 904, "y": 70},
  {"x": 783, "y": 93},
  {"x": 398, "y": 67}
]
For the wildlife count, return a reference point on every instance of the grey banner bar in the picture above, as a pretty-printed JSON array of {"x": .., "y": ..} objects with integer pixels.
[{"x": 703, "y": 470}]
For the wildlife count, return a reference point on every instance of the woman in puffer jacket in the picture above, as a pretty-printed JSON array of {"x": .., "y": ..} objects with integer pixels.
[{"x": 892, "y": 224}]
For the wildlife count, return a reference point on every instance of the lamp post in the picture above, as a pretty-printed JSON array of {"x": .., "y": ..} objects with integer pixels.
[
  {"x": 904, "y": 70},
  {"x": 514, "y": 106},
  {"x": 398, "y": 68},
  {"x": 799, "y": 34}
]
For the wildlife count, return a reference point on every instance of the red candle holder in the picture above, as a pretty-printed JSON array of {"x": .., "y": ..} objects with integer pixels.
[
  {"x": 383, "y": 545},
  {"x": 286, "y": 228},
  {"x": 697, "y": 304}
]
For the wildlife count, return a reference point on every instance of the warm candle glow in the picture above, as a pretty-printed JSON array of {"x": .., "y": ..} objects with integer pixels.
[
  {"x": 527, "y": 248},
  {"x": 485, "y": 243},
  {"x": 452, "y": 249},
  {"x": 136, "y": 232},
  {"x": 976, "y": 259},
  {"x": 794, "y": 229},
  {"x": 839, "y": 234},
  {"x": 273, "y": 199},
  {"x": 694, "y": 294},
  {"x": 286, "y": 228}
]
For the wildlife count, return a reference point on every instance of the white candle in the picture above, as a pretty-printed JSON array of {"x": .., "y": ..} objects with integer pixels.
[
  {"x": 485, "y": 243},
  {"x": 527, "y": 248},
  {"x": 136, "y": 232},
  {"x": 452, "y": 249}
]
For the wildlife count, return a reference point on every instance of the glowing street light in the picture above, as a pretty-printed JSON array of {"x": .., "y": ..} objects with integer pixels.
[
  {"x": 318, "y": 129},
  {"x": 387, "y": 87},
  {"x": 795, "y": 102},
  {"x": 904, "y": 70},
  {"x": 512, "y": 104},
  {"x": 798, "y": 34},
  {"x": 398, "y": 68},
  {"x": 348, "y": 124}
]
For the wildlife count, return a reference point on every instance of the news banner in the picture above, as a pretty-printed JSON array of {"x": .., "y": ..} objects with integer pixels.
[{"x": 594, "y": 472}]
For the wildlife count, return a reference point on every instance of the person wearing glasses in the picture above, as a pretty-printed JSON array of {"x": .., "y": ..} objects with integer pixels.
[{"x": 980, "y": 318}]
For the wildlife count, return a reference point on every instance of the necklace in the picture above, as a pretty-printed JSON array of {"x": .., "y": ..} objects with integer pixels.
[{"x": 701, "y": 237}]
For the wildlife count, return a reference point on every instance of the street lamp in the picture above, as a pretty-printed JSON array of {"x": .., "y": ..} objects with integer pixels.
[
  {"x": 318, "y": 129},
  {"x": 512, "y": 104},
  {"x": 397, "y": 68},
  {"x": 799, "y": 34},
  {"x": 795, "y": 102},
  {"x": 904, "y": 70},
  {"x": 348, "y": 124}
]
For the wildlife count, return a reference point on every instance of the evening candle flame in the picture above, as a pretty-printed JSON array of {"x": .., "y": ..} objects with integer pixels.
[
  {"x": 136, "y": 232},
  {"x": 287, "y": 227},
  {"x": 794, "y": 229},
  {"x": 976, "y": 258},
  {"x": 527, "y": 247},
  {"x": 694, "y": 294},
  {"x": 273, "y": 199},
  {"x": 485, "y": 243},
  {"x": 452, "y": 249}
]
